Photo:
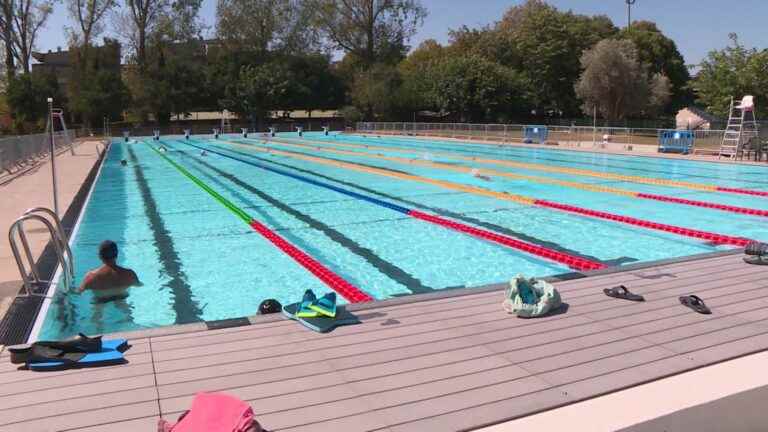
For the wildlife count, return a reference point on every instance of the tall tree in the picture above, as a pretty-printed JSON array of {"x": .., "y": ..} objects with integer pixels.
[
  {"x": 617, "y": 83},
  {"x": 136, "y": 22},
  {"x": 88, "y": 16},
  {"x": 28, "y": 18},
  {"x": 661, "y": 55},
  {"x": 371, "y": 30},
  {"x": 6, "y": 27},
  {"x": 265, "y": 25},
  {"x": 546, "y": 44},
  {"x": 734, "y": 71}
]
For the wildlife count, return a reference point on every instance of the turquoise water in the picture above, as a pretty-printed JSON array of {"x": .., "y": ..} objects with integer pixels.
[{"x": 199, "y": 262}]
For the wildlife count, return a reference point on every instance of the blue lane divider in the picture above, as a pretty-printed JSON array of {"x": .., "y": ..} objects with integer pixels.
[{"x": 372, "y": 200}]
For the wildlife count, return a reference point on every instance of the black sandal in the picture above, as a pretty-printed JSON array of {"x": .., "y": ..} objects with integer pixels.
[
  {"x": 696, "y": 303},
  {"x": 621, "y": 292}
]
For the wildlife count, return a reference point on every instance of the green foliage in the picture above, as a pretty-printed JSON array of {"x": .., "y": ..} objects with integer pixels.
[
  {"x": 545, "y": 45},
  {"x": 372, "y": 31},
  {"x": 732, "y": 72},
  {"x": 27, "y": 96},
  {"x": 662, "y": 56},
  {"x": 475, "y": 89},
  {"x": 617, "y": 82}
]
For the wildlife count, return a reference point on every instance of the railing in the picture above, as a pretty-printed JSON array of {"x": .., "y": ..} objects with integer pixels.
[
  {"x": 25, "y": 150},
  {"x": 31, "y": 277},
  {"x": 607, "y": 138}
]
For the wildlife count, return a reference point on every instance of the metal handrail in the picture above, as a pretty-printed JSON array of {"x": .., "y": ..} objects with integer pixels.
[
  {"x": 59, "y": 246},
  {"x": 61, "y": 237}
]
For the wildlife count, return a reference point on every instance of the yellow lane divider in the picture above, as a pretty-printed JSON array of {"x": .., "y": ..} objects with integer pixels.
[
  {"x": 540, "y": 167},
  {"x": 356, "y": 167},
  {"x": 448, "y": 167}
]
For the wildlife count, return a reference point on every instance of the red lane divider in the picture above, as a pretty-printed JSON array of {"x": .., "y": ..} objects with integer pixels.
[
  {"x": 350, "y": 292},
  {"x": 571, "y": 261},
  {"x": 729, "y": 208},
  {"x": 742, "y": 191},
  {"x": 703, "y": 235}
]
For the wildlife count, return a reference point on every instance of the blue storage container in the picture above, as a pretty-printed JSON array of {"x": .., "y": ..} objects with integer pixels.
[
  {"x": 535, "y": 134},
  {"x": 675, "y": 141}
]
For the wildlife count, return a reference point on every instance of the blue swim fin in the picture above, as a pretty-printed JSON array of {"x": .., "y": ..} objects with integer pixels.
[
  {"x": 304, "y": 308},
  {"x": 325, "y": 305}
]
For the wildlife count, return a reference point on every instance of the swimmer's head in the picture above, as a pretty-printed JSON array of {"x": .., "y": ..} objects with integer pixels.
[
  {"x": 123, "y": 162},
  {"x": 269, "y": 306},
  {"x": 108, "y": 250}
]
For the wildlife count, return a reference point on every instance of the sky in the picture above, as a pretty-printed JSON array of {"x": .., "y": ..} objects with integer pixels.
[{"x": 697, "y": 26}]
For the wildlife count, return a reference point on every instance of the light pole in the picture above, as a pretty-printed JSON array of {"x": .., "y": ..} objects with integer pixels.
[
  {"x": 629, "y": 12},
  {"x": 53, "y": 159}
]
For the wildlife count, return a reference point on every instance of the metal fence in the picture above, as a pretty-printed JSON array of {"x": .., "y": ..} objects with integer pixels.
[
  {"x": 641, "y": 140},
  {"x": 21, "y": 151},
  {"x": 308, "y": 125}
]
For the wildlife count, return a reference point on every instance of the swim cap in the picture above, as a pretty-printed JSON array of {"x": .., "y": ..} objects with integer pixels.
[
  {"x": 108, "y": 250},
  {"x": 269, "y": 306}
]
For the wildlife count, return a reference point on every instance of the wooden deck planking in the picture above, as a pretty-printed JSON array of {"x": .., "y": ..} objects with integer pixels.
[{"x": 445, "y": 364}]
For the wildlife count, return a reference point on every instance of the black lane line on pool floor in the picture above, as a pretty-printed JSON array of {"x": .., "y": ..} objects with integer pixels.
[
  {"x": 447, "y": 213},
  {"x": 516, "y": 157},
  {"x": 185, "y": 307},
  {"x": 389, "y": 269}
]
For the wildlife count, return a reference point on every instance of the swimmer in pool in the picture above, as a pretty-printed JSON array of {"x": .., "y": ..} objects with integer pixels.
[
  {"x": 123, "y": 162},
  {"x": 110, "y": 280},
  {"x": 203, "y": 153}
]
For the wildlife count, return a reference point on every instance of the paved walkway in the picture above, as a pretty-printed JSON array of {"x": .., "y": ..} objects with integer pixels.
[
  {"x": 33, "y": 189},
  {"x": 439, "y": 364}
]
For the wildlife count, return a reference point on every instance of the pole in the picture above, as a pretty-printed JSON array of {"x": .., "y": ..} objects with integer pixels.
[
  {"x": 629, "y": 12},
  {"x": 594, "y": 126},
  {"x": 53, "y": 159}
]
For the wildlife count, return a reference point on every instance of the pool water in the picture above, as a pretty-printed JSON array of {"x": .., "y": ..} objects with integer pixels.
[{"x": 199, "y": 262}]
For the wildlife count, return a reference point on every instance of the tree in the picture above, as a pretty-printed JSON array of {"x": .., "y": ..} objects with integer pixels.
[
  {"x": 29, "y": 17},
  {"x": 6, "y": 26},
  {"x": 475, "y": 89},
  {"x": 371, "y": 30},
  {"x": 95, "y": 86},
  {"x": 617, "y": 83},
  {"x": 259, "y": 90},
  {"x": 265, "y": 25},
  {"x": 661, "y": 55},
  {"x": 417, "y": 72},
  {"x": 88, "y": 15},
  {"x": 546, "y": 44},
  {"x": 375, "y": 90},
  {"x": 734, "y": 71},
  {"x": 136, "y": 23},
  {"x": 26, "y": 95}
]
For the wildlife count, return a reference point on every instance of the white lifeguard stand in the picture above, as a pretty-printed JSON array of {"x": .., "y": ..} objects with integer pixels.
[{"x": 742, "y": 127}]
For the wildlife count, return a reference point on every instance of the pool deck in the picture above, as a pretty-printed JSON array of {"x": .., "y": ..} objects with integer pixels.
[
  {"x": 32, "y": 188},
  {"x": 434, "y": 362}
]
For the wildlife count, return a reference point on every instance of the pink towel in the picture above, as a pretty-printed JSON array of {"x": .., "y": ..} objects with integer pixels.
[{"x": 214, "y": 412}]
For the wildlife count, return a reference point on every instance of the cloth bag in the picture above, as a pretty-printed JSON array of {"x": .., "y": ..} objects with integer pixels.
[{"x": 530, "y": 298}]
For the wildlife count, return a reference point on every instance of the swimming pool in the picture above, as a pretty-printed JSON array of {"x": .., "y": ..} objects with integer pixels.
[{"x": 390, "y": 216}]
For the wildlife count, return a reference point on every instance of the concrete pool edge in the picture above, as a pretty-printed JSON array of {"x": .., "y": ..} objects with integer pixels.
[{"x": 417, "y": 298}]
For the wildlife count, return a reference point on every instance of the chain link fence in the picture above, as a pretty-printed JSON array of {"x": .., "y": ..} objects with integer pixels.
[
  {"x": 641, "y": 140},
  {"x": 19, "y": 152}
]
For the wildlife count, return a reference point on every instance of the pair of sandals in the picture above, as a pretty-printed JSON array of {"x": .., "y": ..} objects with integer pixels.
[{"x": 691, "y": 301}]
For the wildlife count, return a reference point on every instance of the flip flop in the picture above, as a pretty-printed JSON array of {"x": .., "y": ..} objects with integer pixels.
[
  {"x": 695, "y": 303},
  {"x": 756, "y": 260},
  {"x": 621, "y": 292}
]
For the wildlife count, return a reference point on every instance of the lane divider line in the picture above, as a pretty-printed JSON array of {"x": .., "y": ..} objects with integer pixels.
[
  {"x": 573, "y": 171},
  {"x": 536, "y": 179},
  {"x": 682, "y": 231},
  {"x": 334, "y": 281},
  {"x": 572, "y": 261}
]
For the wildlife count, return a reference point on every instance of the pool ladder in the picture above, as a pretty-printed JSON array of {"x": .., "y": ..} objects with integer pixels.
[{"x": 64, "y": 256}]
